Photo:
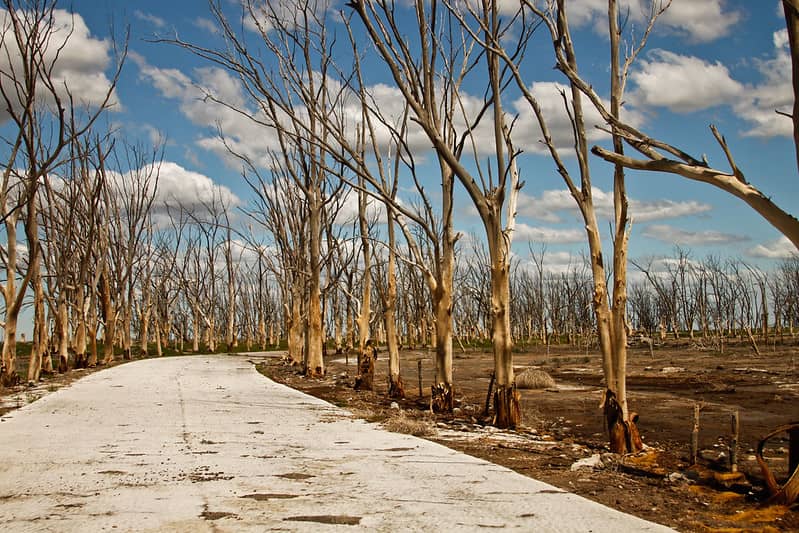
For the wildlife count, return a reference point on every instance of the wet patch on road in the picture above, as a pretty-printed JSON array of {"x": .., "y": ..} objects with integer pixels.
[
  {"x": 295, "y": 476},
  {"x": 338, "y": 520},
  {"x": 262, "y": 497}
]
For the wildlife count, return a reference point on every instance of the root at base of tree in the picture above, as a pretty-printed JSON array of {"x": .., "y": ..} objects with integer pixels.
[{"x": 623, "y": 434}]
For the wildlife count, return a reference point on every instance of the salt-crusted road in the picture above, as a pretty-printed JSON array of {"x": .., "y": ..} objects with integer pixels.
[{"x": 205, "y": 443}]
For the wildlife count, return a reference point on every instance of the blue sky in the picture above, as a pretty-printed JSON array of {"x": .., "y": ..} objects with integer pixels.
[{"x": 722, "y": 62}]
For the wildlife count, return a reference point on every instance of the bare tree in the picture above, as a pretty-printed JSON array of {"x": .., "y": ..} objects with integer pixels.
[
  {"x": 450, "y": 52},
  {"x": 40, "y": 110},
  {"x": 609, "y": 309}
]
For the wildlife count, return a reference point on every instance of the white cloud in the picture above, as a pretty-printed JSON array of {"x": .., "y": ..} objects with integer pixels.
[
  {"x": 781, "y": 248},
  {"x": 693, "y": 20},
  {"x": 673, "y": 235},
  {"x": 206, "y": 24},
  {"x": 149, "y": 18},
  {"x": 685, "y": 84},
  {"x": 525, "y": 232},
  {"x": 266, "y": 15},
  {"x": 527, "y": 132},
  {"x": 178, "y": 186},
  {"x": 701, "y": 20},
  {"x": 555, "y": 263},
  {"x": 644, "y": 211},
  {"x": 242, "y": 134},
  {"x": 682, "y": 83},
  {"x": 774, "y": 93},
  {"x": 548, "y": 206},
  {"x": 80, "y": 60},
  {"x": 375, "y": 210}
]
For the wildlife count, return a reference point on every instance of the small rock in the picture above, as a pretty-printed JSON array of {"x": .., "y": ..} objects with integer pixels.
[
  {"x": 593, "y": 462},
  {"x": 394, "y": 405},
  {"x": 609, "y": 459},
  {"x": 675, "y": 477}
]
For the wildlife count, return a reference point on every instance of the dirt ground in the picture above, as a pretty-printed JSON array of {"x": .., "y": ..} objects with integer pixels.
[{"x": 563, "y": 425}]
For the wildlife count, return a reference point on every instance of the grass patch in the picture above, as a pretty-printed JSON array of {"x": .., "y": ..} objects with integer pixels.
[
  {"x": 533, "y": 378},
  {"x": 399, "y": 422}
]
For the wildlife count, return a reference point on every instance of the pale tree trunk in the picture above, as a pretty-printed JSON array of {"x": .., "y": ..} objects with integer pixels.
[
  {"x": 262, "y": 338},
  {"x": 197, "y": 326},
  {"x": 62, "y": 332},
  {"x": 366, "y": 369},
  {"x": 127, "y": 317},
  {"x": 507, "y": 411},
  {"x": 159, "y": 351},
  {"x": 210, "y": 323},
  {"x": 81, "y": 304},
  {"x": 273, "y": 341},
  {"x": 39, "y": 344},
  {"x": 338, "y": 327},
  {"x": 230, "y": 329},
  {"x": 295, "y": 323},
  {"x": 144, "y": 325},
  {"x": 109, "y": 315},
  {"x": 314, "y": 361},
  {"x": 8, "y": 368},
  {"x": 396, "y": 388},
  {"x": 93, "y": 323}
]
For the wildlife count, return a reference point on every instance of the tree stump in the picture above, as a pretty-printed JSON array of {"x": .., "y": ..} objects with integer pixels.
[
  {"x": 441, "y": 398},
  {"x": 507, "y": 410},
  {"x": 365, "y": 379},
  {"x": 396, "y": 389}
]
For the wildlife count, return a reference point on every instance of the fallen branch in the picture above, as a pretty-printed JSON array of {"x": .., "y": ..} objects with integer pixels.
[{"x": 786, "y": 494}]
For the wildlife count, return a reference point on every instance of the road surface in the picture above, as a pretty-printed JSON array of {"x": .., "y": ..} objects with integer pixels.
[{"x": 205, "y": 443}]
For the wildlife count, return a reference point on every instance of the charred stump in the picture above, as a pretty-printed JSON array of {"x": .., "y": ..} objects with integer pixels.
[
  {"x": 81, "y": 360},
  {"x": 365, "y": 378},
  {"x": 314, "y": 372},
  {"x": 441, "y": 398},
  {"x": 396, "y": 389},
  {"x": 8, "y": 379},
  {"x": 623, "y": 434},
  {"x": 507, "y": 409},
  {"x": 63, "y": 363}
]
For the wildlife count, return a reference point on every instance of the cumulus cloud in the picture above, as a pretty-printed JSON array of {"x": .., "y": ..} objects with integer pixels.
[
  {"x": 701, "y": 20},
  {"x": 80, "y": 60},
  {"x": 178, "y": 186},
  {"x": 773, "y": 93},
  {"x": 242, "y": 134},
  {"x": 780, "y": 248},
  {"x": 555, "y": 263},
  {"x": 686, "y": 84},
  {"x": 549, "y": 206},
  {"x": 673, "y": 235},
  {"x": 682, "y": 83},
  {"x": 527, "y": 233},
  {"x": 694, "y": 20}
]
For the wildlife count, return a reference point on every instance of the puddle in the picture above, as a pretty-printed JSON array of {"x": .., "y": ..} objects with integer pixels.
[
  {"x": 339, "y": 520},
  {"x": 295, "y": 475},
  {"x": 262, "y": 497}
]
